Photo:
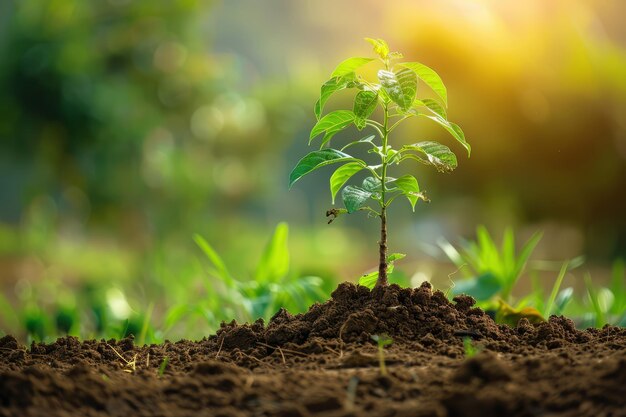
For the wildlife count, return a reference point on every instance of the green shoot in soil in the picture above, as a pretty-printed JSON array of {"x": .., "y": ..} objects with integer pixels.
[
  {"x": 555, "y": 292},
  {"x": 272, "y": 285},
  {"x": 382, "y": 341},
  {"x": 597, "y": 299},
  {"x": 469, "y": 348},
  {"x": 396, "y": 94},
  {"x": 163, "y": 365}
]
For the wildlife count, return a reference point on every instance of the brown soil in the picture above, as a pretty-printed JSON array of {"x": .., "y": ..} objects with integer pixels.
[{"x": 324, "y": 363}]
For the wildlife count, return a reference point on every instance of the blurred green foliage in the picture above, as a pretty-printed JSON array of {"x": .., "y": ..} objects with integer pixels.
[
  {"x": 122, "y": 135},
  {"x": 270, "y": 287},
  {"x": 491, "y": 273},
  {"x": 491, "y": 270}
]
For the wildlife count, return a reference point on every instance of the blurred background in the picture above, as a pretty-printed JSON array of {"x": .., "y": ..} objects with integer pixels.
[{"x": 128, "y": 126}]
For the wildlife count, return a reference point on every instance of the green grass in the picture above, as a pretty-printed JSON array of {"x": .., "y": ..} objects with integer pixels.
[
  {"x": 489, "y": 269},
  {"x": 185, "y": 299},
  {"x": 208, "y": 292}
]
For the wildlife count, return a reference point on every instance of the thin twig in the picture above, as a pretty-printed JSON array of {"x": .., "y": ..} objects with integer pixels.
[
  {"x": 341, "y": 343},
  {"x": 131, "y": 364},
  {"x": 295, "y": 352},
  {"x": 251, "y": 357},
  {"x": 220, "y": 348},
  {"x": 332, "y": 350}
]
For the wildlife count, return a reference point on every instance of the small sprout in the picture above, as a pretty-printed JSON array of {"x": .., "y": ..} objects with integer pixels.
[
  {"x": 600, "y": 299},
  {"x": 382, "y": 341},
  {"x": 163, "y": 365},
  {"x": 469, "y": 348},
  {"x": 395, "y": 93}
]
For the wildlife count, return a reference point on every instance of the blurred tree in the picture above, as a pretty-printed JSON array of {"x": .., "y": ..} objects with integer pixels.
[{"x": 93, "y": 89}]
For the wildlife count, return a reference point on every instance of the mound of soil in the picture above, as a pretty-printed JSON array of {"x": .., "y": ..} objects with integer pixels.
[{"x": 324, "y": 363}]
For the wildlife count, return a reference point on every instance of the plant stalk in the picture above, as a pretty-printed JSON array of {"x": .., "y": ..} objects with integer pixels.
[
  {"x": 382, "y": 280},
  {"x": 382, "y": 249}
]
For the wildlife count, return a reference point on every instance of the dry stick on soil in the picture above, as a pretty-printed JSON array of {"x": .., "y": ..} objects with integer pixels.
[
  {"x": 341, "y": 343},
  {"x": 294, "y": 352},
  {"x": 240, "y": 353},
  {"x": 220, "y": 348},
  {"x": 275, "y": 348},
  {"x": 129, "y": 364},
  {"x": 332, "y": 351}
]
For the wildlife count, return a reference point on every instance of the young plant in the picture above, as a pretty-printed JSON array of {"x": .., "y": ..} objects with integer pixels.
[
  {"x": 272, "y": 286},
  {"x": 395, "y": 93},
  {"x": 163, "y": 366},
  {"x": 492, "y": 271},
  {"x": 382, "y": 341},
  {"x": 469, "y": 348}
]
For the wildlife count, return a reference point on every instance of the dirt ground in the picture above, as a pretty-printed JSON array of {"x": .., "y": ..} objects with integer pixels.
[{"x": 324, "y": 363}]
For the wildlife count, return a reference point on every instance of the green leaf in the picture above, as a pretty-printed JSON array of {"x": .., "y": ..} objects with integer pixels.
[
  {"x": 350, "y": 65},
  {"x": 525, "y": 253},
  {"x": 563, "y": 299},
  {"x": 341, "y": 175},
  {"x": 438, "y": 155},
  {"x": 407, "y": 184},
  {"x": 395, "y": 257},
  {"x": 555, "y": 291},
  {"x": 618, "y": 286},
  {"x": 318, "y": 159},
  {"x": 380, "y": 47},
  {"x": 332, "y": 123},
  {"x": 330, "y": 87},
  {"x": 371, "y": 184},
  {"x": 382, "y": 340},
  {"x": 354, "y": 197},
  {"x": 453, "y": 129},
  {"x": 432, "y": 105},
  {"x": 369, "y": 280},
  {"x": 364, "y": 105},
  {"x": 401, "y": 86},
  {"x": 430, "y": 77},
  {"x": 220, "y": 271},
  {"x": 274, "y": 262},
  {"x": 482, "y": 288}
]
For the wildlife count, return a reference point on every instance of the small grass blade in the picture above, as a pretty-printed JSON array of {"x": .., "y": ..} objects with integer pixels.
[
  {"x": 163, "y": 365},
  {"x": 592, "y": 293},
  {"x": 145, "y": 325},
  {"x": 555, "y": 290}
]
